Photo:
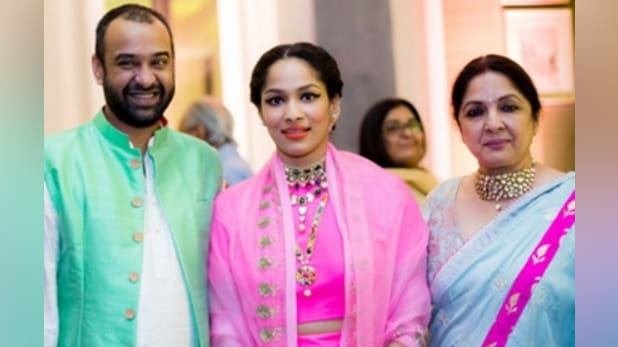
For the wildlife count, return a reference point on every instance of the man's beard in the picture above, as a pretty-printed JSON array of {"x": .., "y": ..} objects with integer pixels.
[{"x": 136, "y": 115}]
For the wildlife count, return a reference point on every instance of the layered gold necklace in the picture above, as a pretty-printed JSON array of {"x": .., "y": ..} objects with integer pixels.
[
  {"x": 504, "y": 186},
  {"x": 313, "y": 179}
]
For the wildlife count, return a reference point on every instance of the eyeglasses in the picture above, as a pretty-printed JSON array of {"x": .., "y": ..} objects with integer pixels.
[{"x": 392, "y": 128}]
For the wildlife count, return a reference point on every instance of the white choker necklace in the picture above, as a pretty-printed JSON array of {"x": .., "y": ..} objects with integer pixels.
[{"x": 504, "y": 186}]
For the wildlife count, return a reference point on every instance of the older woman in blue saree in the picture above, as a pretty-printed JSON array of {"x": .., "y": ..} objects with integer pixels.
[{"x": 503, "y": 227}]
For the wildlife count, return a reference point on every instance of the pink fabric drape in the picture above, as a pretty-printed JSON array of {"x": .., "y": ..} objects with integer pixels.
[{"x": 251, "y": 262}]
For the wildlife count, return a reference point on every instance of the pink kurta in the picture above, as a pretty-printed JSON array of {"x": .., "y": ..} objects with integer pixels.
[{"x": 252, "y": 266}]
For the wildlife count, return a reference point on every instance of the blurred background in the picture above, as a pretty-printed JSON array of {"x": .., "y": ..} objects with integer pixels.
[{"x": 406, "y": 48}]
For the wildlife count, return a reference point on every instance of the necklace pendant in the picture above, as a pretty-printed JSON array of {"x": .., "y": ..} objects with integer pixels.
[
  {"x": 307, "y": 292},
  {"x": 306, "y": 275}
]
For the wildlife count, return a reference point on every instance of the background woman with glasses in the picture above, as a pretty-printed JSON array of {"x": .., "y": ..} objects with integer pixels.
[{"x": 393, "y": 137}]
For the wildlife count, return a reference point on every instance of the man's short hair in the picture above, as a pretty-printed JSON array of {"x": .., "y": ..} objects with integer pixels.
[{"x": 131, "y": 12}]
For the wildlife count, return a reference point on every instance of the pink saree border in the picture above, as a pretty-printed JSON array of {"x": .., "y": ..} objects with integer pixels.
[{"x": 532, "y": 272}]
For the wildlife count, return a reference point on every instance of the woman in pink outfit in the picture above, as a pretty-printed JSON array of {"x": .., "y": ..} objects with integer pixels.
[{"x": 321, "y": 247}]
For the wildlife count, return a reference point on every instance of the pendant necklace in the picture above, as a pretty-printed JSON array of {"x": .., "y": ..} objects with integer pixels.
[
  {"x": 307, "y": 274},
  {"x": 312, "y": 179}
]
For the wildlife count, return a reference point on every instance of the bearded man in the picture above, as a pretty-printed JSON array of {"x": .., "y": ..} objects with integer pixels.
[{"x": 128, "y": 204}]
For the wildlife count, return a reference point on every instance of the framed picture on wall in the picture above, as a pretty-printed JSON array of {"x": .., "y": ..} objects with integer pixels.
[
  {"x": 541, "y": 40},
  {"x": 534, "y": 2}
]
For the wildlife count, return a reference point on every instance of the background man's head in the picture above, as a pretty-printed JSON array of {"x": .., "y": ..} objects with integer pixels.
[{"x": 209, "y": 120}]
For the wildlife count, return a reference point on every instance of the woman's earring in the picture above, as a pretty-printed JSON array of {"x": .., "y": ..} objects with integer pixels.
[{"x": 332, "y": 126}]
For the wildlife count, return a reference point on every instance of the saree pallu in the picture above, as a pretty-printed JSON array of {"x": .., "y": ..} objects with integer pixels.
[
  {"x": 252, "y": 265},
  {"x": 469, "y": 280}
]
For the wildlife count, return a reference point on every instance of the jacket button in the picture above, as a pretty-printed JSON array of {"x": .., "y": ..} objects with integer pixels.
[
  {"x": 135, "y": 163},
  {"x": 133, "y": 277},
  {"x": 129, "y": 314},
  {"x": 136, "y": 202},
  {"x": 138, "y": 236}
]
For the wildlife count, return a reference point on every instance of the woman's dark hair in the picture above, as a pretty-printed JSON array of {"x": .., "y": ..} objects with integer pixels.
[
  {"x": 372, "y": 142},
  {"x": 317, "y": 57},
  {"x": 501, "y": 64}
]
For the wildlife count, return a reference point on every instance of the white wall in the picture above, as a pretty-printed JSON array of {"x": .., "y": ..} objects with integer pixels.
[
  {"x": 420, "y": 74},
  {"x": 247, "y": 29},
  {"x": 71, "y": 93}
]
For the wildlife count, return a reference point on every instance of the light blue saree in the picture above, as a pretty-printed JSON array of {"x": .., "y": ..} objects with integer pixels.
[{"x": 469, "y": 280}]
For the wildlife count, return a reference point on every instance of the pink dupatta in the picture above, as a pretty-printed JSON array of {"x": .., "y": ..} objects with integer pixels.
[{"x": 384, "y": 245}]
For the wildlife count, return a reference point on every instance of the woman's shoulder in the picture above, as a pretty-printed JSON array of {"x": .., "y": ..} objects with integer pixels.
[
  {"x": 446, "y": 189},
  {"x": 547, "y": 173},
  {"x": 354, "y": 164},
  {"x": 551, "y": 179},
  {"x": 353, "y": 160},
  {"x": 383, "y": 179},
  {"x": 442, "y": 196}
]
